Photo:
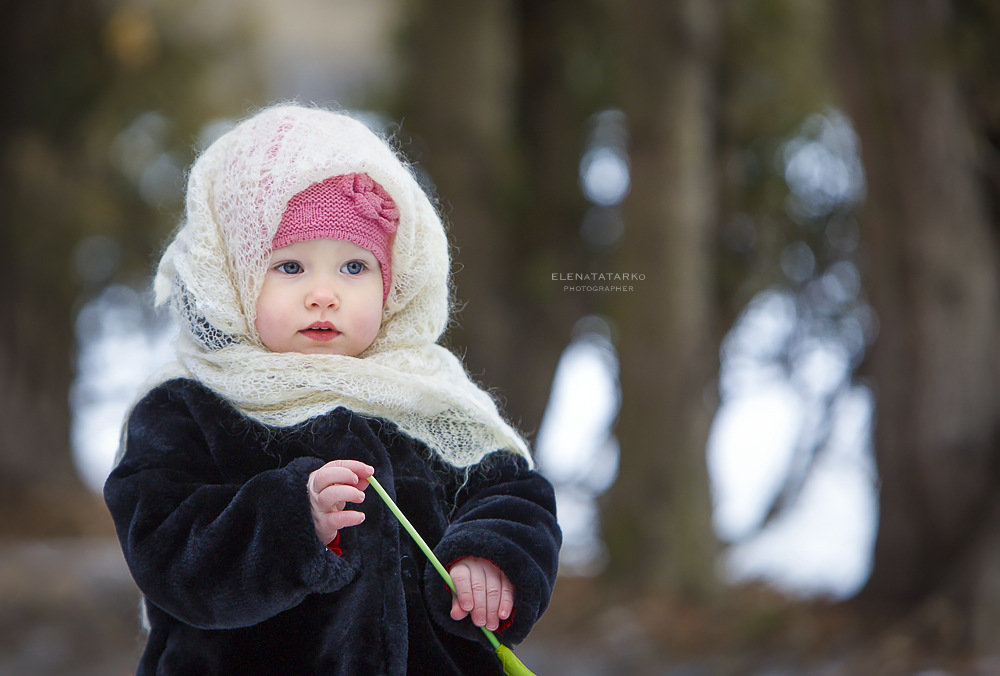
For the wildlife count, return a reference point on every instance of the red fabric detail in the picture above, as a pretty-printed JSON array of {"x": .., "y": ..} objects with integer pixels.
[
  {"x": 334, "y": 546},
  {"x": 504, "y": 624}
]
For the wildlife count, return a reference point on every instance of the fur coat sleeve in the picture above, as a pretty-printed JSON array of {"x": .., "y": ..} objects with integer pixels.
[
  {"x": 499, "y": 518},
  {"x": 201, "y": 540}
]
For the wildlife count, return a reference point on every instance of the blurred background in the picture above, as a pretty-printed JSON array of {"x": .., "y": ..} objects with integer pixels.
[{"x": 731, "y": 266}]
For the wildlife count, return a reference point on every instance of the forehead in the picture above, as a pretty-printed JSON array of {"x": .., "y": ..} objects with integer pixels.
[{"x": 322, "y": 247}]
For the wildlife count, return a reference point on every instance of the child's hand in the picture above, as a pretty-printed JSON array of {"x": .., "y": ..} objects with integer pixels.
[
  {"x": 331, "y": 487},
  {"x": 482, "y": 591}
]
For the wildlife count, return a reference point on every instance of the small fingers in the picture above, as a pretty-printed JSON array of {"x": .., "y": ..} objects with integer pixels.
[
  {"x": 478, "y": 582},
  {"x": 353, "y": 472},
  {"x": 482, "y": 591},
  {"x": 323, "y": 478},
  {"x": 335, "y": 497},
  {"x": 462, "y": 602},
  {"x": 456, "y": 609},
  {"x": 506, "y": 606},
  {"x": 344, "y": 519},
  {"x": 329, "y": 475},
  {"x": 328, "y": 524},
  {"x": 330, "y": 488},
  {"x": 360, "y": 470},
  {"x": 494, "y": 592}
]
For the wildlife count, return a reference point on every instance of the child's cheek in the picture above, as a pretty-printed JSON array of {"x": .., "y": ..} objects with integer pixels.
[
  {"x": 268, "y": 323},
  {"x": 374, "y": 324}
]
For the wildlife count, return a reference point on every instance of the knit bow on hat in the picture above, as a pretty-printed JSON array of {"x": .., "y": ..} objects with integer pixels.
[{"x": 371, "y": 201}]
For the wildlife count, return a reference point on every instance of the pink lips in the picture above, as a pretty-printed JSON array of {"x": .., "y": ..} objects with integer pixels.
[{"x": 320, "y": 331}]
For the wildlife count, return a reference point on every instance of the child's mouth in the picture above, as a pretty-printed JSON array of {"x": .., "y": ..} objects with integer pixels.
[{"x": 320, "y": 331}]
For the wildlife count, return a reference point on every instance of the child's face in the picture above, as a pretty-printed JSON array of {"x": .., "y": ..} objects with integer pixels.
[{"x": 321, "y": 296}]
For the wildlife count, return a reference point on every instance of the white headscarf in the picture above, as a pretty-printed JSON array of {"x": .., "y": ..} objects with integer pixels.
[{"x": 213, "y": 270}]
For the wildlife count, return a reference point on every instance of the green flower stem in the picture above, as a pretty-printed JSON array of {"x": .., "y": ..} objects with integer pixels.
[{"x": 424, "y": 548}]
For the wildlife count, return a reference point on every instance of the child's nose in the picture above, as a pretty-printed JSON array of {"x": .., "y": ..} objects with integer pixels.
[{"x": 323, "y": 296}]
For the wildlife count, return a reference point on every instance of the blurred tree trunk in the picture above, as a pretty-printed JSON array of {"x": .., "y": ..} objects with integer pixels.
[
  {"x": 485, "y": 111},
  {"x": 933, "y": 276},
  {"x": 51, "y": 58},
  {"x": 74, "y": 75},
  {"x": 657, "y": 518}
]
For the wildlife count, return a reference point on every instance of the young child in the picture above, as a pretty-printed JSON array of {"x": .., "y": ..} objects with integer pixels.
[{"x": 310, "y": 280}]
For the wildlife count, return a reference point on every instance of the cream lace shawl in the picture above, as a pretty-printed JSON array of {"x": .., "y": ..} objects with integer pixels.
[{"x": 212, "y": 271}]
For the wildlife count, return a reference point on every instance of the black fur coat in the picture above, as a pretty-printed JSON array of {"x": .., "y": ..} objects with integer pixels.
[{"x": 213, "y": 516}]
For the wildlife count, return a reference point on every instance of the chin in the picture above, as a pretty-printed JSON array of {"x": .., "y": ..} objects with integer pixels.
[{"x": 319, "y": 349}]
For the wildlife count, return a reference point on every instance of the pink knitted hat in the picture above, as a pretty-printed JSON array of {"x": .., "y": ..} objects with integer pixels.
[{"x": 351, "y": 207}]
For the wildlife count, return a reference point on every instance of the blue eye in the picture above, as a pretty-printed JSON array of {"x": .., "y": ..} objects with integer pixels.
[
  {"x": 354, "y": 268},
  {"x": 289, "y": 268}
]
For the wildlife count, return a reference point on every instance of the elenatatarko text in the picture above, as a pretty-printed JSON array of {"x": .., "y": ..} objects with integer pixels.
[
  {"x": 598, "y": 277},
  {"x": 599, "y": 282}
]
